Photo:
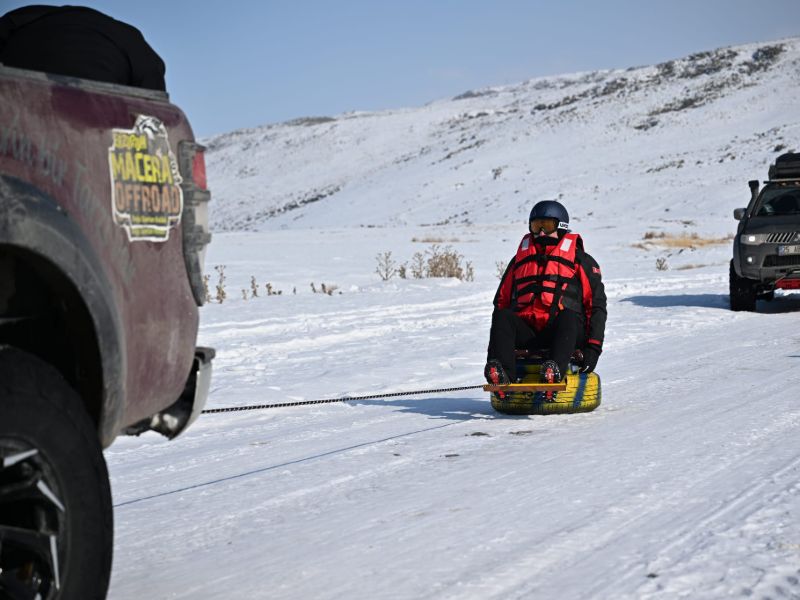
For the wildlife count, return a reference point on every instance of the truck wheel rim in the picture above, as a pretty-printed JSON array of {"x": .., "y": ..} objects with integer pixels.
[{"x": 33, "y": 530}]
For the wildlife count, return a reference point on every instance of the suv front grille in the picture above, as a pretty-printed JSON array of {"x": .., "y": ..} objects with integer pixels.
[
  {"x": 774, "y": 260},
  {"x": 783, "y": 237}
]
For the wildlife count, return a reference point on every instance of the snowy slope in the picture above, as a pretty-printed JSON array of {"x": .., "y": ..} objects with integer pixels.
[
  {"x": 682, "y": 484},
  {"x": 637, "y": 139}
]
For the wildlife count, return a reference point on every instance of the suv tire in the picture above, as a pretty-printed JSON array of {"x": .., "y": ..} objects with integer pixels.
[
  {"x": 742, "y": 291},
  {"x": 56, "y": 521},
  {"x": 767, "y": 296}
]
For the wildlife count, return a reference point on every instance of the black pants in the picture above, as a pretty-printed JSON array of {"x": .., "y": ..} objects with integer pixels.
[{"x": 562, "y": 335}]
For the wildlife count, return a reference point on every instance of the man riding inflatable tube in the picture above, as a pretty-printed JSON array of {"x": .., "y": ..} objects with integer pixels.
[{"x": 551, "y": 296}]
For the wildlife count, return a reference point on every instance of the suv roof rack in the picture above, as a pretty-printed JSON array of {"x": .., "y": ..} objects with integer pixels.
[{"x": 786, "y": 167}]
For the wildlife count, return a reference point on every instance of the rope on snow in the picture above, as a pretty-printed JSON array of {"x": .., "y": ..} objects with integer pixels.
[{"x": 344, "y": 399}]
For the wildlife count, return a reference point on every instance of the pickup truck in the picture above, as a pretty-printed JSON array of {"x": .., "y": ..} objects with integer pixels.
[
  {"x": 103, "y": 227},
  {"x": 766, "y": 248}
]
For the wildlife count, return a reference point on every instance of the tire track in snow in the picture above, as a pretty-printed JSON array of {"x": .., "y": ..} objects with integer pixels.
[
  {"x": 742, "y": 504},
  {"x": 273, "y": 467},
  {"x": 598, "y": 535},
  {"x": 738, "y": 511},
  {"x": 309, "y": 348}
]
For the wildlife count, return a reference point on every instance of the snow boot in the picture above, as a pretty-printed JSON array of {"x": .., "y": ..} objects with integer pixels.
[
  {"x": 496, "y": 375},
  {"x": 550, "y": 373}
]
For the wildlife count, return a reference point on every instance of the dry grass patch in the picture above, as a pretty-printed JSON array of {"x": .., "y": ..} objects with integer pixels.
[
  {"x": 434, "y": 240},
  {"x": 682, "y": 240}
]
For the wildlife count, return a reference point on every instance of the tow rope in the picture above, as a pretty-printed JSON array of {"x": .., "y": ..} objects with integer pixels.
[{"x": 344, "y": 399}]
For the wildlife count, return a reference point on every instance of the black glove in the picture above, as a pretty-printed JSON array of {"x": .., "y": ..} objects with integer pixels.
[{"x": 590, "y": 355}]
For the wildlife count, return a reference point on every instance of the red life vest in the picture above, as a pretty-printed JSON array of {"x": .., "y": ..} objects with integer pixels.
[{"x": 546, "y": 282}]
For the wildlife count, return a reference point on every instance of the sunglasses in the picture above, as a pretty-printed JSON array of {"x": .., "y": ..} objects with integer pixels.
[{"x": 546, "y": 225}]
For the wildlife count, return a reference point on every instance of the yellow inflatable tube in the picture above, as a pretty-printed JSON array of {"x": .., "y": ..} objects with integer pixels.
[{"x": 582, "y": 395}]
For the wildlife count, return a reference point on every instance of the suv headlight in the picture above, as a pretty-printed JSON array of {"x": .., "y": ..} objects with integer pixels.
[{"x": 753, "y": 239}]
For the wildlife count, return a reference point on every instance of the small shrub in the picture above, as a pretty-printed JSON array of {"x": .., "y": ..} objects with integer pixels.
[
  {"x": 500, "y": 268},
  {"x": 253, "y": 286},
  {"x": 386, "y": 268},
  {"x": 324, "y": 289},
  {"x": 661, "y": 264},
  {"x": 443, "y": 262},
  {"x": 418, "y": 265},
  {"x": 437, "y": 261},
  {"x": 469, "y": 272},
  {"x": 206, "y": 292},
  {"x": 221, "y": 295},
  {"x": 271, "y": 291},
  {"x": 244, "y": 294}
]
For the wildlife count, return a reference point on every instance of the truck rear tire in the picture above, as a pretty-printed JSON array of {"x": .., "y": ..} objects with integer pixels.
[
  {"x": 56, "y": 520},
  {"x": 742, "y": 291}
]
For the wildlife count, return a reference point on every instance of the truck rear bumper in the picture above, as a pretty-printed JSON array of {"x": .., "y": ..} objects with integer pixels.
[{"x": 173, "y": 420}]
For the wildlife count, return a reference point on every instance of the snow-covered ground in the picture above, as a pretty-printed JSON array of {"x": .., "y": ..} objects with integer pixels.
[{"x": 685, "y": 482}]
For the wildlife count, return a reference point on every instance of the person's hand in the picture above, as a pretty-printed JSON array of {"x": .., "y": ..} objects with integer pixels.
[{"x": 590, "y": 355}]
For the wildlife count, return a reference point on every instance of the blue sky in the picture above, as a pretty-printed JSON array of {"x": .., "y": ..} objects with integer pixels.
[{"x": 244, "y": 63}]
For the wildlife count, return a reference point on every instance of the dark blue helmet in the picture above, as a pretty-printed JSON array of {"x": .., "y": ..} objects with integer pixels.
[{"x": 551, "y": 209}]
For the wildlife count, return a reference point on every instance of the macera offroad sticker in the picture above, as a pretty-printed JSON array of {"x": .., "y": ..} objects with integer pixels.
[{"x": 146, "y": 196}]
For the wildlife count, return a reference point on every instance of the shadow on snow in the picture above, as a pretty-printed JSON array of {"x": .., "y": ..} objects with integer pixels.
[
  {"x": 439, "y": 407},
  {"x": 665, "y": 301},
  {"x": 782, "y": 303}
]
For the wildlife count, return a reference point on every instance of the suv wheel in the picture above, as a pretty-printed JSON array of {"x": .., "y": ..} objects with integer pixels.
[
  {"x": 743, "y": 292},
  {"x": 56, "y": 526}
]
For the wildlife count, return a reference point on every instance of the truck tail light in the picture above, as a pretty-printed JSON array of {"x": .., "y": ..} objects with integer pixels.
[
  {"x": 194, "y": 220},
  {"x": 199, "y": 169}
]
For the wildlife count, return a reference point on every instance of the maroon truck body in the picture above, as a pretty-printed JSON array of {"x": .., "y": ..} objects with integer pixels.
[
  {"x": 102, "y": 196},
  {"x": 103, "y": 228}
]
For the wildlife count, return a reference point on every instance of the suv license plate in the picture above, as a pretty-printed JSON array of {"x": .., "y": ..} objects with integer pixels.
[{"x": 784, "y": 250}]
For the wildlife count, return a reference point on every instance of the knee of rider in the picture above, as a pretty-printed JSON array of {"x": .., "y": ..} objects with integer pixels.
[{"x": 501, "y": 314}]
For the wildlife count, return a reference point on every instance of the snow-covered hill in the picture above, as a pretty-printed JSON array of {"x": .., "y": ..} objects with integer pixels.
[
  {"x": 682, "y": 135},
  {"x": 682, "y": 484}
]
